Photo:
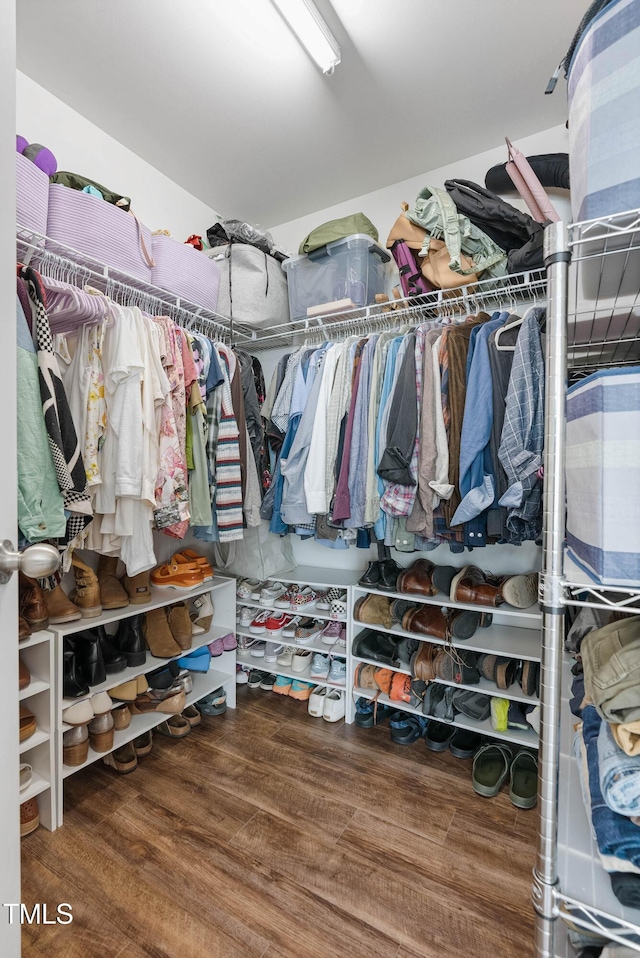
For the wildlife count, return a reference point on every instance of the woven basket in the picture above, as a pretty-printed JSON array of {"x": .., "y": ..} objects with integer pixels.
[
  {"x": 185, "y": 271},
  {"x": 32, "y": 195},
  {"x": 100, "y": 230}
]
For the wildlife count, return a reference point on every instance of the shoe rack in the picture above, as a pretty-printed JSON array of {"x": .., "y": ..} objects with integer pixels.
[
  {"x": 514, "y": 633},
  {"x": 38, "y": 751},
  {"x": 318, "y": 579},
  {"x": 221, "y": 673}
]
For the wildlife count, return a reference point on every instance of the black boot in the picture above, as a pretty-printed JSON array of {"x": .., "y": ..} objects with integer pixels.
[
  {"x": 114, "y": 660},
  {"x": 389, "y": 572},
  {"x": 372, "y": 576},
  {"x": 88, "y": 653},
  {"x": 131, "y": 641},
  {"x": 73, "y": 686}
]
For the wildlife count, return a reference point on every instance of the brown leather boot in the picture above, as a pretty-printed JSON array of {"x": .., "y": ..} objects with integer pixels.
[
  {"x": 159, "y": 638},
  {"x": 33, "y": 608},
  {"x": 87, "y": 593},
  {"x": 180, "y": 624},
  {"x": 473, "y": 585},
  {"x": 138, "y": 588},
  {"x": 24, "y": 630},
  {"x": 60, "y": 608},
  {"x": 417, "y": 579},
  {"x": 426, "y": 620},
  {"x": 112, "y": 595}
]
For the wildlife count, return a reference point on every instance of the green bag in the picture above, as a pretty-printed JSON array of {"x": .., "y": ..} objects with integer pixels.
[
  {"x": 338, "y": 229},
  {"x": 76, "y": 182},
  {"x": 436, "y": 212}
]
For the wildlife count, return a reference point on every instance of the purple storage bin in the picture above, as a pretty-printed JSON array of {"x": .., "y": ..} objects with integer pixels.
[
  {"x": 185, "y": 271},
  {"x": 100, "y": 230},
  {"x": 32, "y": 195}
]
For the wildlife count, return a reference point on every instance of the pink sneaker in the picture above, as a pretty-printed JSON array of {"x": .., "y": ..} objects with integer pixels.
[{"x": 332, "y": 632}]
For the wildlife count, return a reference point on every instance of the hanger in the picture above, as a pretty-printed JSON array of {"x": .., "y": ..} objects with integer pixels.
[{"x": 512, "y": 325}]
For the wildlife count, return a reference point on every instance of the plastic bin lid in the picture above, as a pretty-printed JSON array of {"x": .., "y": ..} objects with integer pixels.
[{"x": 356, "y": 239}]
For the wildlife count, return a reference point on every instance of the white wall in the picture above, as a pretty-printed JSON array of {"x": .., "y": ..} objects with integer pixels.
[
  {"x": 383, "y": 206},
  {"x": 82, "y": 147}
]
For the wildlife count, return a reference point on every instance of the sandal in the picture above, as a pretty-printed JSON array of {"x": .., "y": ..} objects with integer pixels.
[
  {"x": 523, "y": 791},
  {"x": 491, "y": 766},
  {"x": 213, "y": 704},
  {"x": 175, "y": 727},
  {"x": 408, "y": 730}
]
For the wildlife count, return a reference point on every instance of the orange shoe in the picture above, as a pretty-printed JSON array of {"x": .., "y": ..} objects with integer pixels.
[
  {"x": 301, "y": 690},
  {"x": 190, "y": 555},
  {"x": 177, "y": 575}
]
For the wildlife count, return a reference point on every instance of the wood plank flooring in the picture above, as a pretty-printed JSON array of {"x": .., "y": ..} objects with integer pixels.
[{"x": 269, "y": 834}]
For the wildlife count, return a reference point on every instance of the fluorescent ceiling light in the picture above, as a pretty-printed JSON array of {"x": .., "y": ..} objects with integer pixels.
[{"x": 305, "y": 21}]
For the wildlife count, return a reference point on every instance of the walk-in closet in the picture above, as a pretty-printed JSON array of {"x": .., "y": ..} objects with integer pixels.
[{"x": 320, "y": 558}]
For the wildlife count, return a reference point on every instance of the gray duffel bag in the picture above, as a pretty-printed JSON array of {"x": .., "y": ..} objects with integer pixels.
[{"x": 253, "y": 286}]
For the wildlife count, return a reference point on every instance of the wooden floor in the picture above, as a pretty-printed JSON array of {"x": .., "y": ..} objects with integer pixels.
[{"x": 269, "y": 834}]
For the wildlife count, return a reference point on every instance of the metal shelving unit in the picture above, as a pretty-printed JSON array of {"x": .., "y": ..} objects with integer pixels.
[{"x": 593, "y": 321}]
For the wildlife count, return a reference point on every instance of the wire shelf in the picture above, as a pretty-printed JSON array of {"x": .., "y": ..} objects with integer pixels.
[
  {"x": 604, "y": 299},
  {"x": 487, "y": 295},
  {"x": 582, "y": 592},
  {"x": 62, "y": 262}
]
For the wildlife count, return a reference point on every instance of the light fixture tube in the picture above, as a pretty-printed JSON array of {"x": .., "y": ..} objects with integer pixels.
[{"x": 305, "y": 22}]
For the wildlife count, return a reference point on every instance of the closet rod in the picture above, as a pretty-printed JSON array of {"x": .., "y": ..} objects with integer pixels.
[
  {"x": 51, "y": 257},
  {"x": 486, "y": 295}
]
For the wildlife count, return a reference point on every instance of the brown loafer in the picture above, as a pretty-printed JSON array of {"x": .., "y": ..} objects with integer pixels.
[
  {"x": 416, "y": 580},
  {"x": 24, "y": 630},
  {"x": 143, "y": 744},
  {"x": 24, "y": 676},
  {"x": 192, "y": 716}
]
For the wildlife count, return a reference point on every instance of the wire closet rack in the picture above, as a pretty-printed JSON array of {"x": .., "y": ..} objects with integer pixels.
[{"x": 593, "y": 322}]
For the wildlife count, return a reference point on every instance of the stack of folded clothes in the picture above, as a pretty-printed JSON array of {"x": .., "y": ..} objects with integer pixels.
[{"x": 606, "y": 696}]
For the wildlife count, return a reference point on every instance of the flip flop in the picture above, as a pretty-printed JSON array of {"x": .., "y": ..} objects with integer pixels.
[{"x": 524, "y": 780}]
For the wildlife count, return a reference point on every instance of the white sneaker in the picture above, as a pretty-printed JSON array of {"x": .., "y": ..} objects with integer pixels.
[
  {"x": 271, "y": 651},
  {"x": 333, "y": 595},
  {"x": 338, "y": 672},
  {"x": 245, "y": 616},
  {"x": 335, "y": 706},
  {"x": 246, "y": 587},
  {"x": 245, "y": 644},
  {"x": 242, "y": 677},
  {"x": 316, "y": 701},
  {"x": 319, "y": 666},
  {"x": 257, "y": 650},
  {"x": 340, "y": 648},
  {"x": 257, "y": 589},
  {"x": 270, "y": 592},
  {"x": 301, "y": 660},
  {"x": 285, "y": 657}
]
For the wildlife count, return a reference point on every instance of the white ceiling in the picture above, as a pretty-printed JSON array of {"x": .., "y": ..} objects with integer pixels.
[{"x": 219, "y": 96}]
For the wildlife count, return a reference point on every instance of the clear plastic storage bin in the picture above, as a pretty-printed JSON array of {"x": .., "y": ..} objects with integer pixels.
[{"x": 348, "y": 272}]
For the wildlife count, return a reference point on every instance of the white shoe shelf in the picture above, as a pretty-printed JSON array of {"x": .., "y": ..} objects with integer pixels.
[
  {"x": 323, "y": 579},
  {"x": 221, "y": 673},
  {"x": 37, "y": 653},
  {"x": 514, "y": 633}
]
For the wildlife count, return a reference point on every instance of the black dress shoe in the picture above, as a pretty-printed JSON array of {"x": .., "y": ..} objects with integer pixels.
[
  {"x": 73, "y": 686},
  {"x": 375, "y": 646},
  {"x": 131, "y": 641},
  {"x": 114, "y": 660},
  {"x": 372, "y": 576},
  {"x": 389, "y": 572},
  {"x": 89, "y": 661}
]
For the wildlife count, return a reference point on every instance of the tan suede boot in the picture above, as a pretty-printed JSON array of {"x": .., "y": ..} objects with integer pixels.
[
  {"x": 112, "y": 595},
  {"x": 374, "y": 610},
  {"x": 60, "y": 608},
  {"x": 138, "y": 588},
  {"x": 87, "y": 593},
  {"x": 159, "y": 638},
  {"x": 180, "y": 624}
]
